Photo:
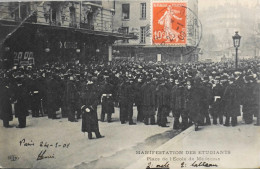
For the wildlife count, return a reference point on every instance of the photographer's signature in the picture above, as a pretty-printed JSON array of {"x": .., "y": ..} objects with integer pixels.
[{"x": 42, "y": 155}]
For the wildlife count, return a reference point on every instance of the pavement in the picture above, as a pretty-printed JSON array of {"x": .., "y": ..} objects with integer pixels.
[
  {"x": 125, "y": 146},
  {"x": 214, "y": 146},
  {"x": 67, "y": 147}
]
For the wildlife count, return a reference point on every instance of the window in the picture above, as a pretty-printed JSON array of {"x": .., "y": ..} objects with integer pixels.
[
  {"x": 72, "y": 15},
  {"x": 125, "y": 11},
  {"x": 53, "y": 16},
  {"x": 143, "y": 10},
  {"x": 142, "y": 35}
]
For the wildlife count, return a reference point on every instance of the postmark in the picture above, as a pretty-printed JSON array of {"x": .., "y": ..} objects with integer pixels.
[{"x": 169, "y": 23}]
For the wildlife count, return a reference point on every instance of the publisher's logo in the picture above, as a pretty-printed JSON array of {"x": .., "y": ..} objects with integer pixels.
[{"x": 13, "y": 158}]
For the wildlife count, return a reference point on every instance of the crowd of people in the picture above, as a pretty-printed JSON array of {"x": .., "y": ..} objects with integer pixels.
[{"x": 192, "y": 93}]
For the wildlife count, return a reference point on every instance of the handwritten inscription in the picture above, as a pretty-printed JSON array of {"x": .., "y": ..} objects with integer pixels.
[
  {"x": 24, "y": 143},
  {"x": 42, "y": 155},
  {"x": 56, "y": 145},
  {"x": 203, "y": 164},
  {"x": 158, "y": 166},
  {"x": 43, "y": 144}
]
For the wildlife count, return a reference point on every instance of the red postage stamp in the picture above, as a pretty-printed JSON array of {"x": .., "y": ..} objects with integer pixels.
[{"x": 169, "y": 23}]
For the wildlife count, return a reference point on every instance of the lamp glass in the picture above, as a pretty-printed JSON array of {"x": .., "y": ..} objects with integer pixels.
[{"x": 236, "y": 42}]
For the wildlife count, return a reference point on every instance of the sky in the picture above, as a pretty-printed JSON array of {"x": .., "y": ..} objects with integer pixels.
[{"x": 203, "y": 4}]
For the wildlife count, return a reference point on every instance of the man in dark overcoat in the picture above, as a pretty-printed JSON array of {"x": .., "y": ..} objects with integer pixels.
[
  {"x": 257, "y": 100},
  {"x": 163, "y": 98},
  {"x": 198, "y": 98},
  {"x": 148, "y": 102},
  {"x": 64, "y": 106},
  {"x": 123, "y": 102},
  {"x": 72, "y": 96},
  {"x": 130, "y": 101},
  {"x": 36, "y": 96},
  {"x": 232, "y": 101},
  {"x": 177, "y": 101},
  {"x": 249, "y": 99},
  {"x": 107, "y": 101},
  {"x": 217, "y": 92},
  {"x": 137, "y": 100},
  {"x": 208, "y": 89},
  {"x": 90, "y": 99},
  {"x": 21, "y": 105},
  {"x": 53, "y": 98},
  {"x": 5, "y": 103}
]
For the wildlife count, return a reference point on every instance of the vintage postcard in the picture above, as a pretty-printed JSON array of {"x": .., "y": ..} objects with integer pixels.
[{"x": 130, "y": 84}]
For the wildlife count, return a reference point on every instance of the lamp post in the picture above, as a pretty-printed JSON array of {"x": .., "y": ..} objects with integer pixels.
[{"x": 236, "y": 40}]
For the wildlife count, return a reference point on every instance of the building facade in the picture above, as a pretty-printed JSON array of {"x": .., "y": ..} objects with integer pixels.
[
  {"x": 219, "y": 27},
  {"x": 40, "y": 32},
  {"x": 135, "y": 17}
]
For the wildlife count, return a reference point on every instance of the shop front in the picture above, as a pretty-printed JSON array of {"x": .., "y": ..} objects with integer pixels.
[{"x": 34, "y": 44}]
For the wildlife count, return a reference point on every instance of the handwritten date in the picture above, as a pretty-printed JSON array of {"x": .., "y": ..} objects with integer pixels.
[{"x": 44, "y": 144}]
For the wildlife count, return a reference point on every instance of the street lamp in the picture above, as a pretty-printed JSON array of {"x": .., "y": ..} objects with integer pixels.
[{"x": 236, "y": 40}]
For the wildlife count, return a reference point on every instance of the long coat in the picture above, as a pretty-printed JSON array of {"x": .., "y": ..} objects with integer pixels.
[
  {"x": 232, "y": 100},
  {"x": 250, "y": 98},
  {"x": 198, "y": 98},
  {"x": 138, "y": 95},
  {"x": 257, "y": 100},
  {"x": 21, "y": 97},
  {"x": 148, "y": 94},
  {"x": 178, "y": 98},
  {"x": 163, "y": 96},
  {"x": 218, "y": 90},
  {"x": 108, "y": 101},
  {"x": 209, "y": 96},
  {"x": 53, "y": 99},
  {"x": 5, "y": 107},
  {"x": 89, "y": 99},
  {"x": 123, "y": 95},
  {"x": 148, "y": 101},
  {"x": 36, "y": 95},
  {"x": 126, "y": 94}
]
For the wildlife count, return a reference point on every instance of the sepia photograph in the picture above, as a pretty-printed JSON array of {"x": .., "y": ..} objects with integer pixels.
[{"x": 130, "y": 84}]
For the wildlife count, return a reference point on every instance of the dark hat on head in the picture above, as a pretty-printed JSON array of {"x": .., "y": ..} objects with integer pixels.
[
  {"x": 224, "y": 77},
  {"x": 206, "y": 78},
  {"x": 94, "y": 78},
  {"x": 231, "y": 78},
  {"x": 249, "y": 77}
]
